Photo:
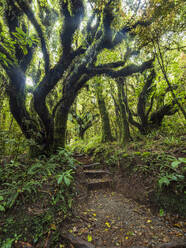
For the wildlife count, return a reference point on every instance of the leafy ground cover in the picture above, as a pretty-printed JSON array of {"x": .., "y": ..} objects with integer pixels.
[{"x": 35, "y": 197}]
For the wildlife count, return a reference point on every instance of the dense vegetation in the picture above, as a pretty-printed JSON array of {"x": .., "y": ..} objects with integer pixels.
[{"x": 98, "y": 77}]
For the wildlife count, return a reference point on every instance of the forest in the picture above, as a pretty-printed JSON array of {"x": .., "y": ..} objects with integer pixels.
[{"x": 92, "y": 124}]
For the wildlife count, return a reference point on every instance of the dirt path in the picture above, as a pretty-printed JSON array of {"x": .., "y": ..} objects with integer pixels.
[
  {"x": 111, "y": 220},
  {"x": 108, "y": 219}
]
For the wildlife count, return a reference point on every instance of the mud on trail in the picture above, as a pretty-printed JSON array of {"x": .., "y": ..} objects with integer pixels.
[{"x": 107, "y": 218}]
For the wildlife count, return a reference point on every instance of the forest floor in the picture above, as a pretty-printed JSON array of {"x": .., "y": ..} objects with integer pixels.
[{"x": 107, "y": 218}]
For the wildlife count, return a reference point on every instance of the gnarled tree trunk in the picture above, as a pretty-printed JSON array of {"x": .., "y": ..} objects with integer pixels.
[
  {"x": 105, "y": 123},
  {"x": 125, "y": 131}
]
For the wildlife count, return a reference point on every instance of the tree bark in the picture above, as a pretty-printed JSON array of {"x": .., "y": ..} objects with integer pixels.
[
  {"x": 16, "y": 93},
  {"x": 106, "y": 130},
  {"x": 117, "y": 114},
  {"x": 156, "y": 118},
  {"x": 61, "y": 125},
  {"x": 125, "y": 131}
]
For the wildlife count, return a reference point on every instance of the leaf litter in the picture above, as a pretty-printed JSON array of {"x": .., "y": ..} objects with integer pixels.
[{"x": 116, "y": 221}]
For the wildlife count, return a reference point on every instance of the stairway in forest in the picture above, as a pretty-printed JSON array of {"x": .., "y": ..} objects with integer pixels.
[{"x": 96, "y": 178}]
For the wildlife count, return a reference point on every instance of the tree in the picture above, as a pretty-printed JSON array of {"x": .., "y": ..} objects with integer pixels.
[
  {"x": 83, "y": 121},
  {"x": 24, "y": 46},
  {"x": 125, "y": 131},
  {"x": 149, "y": 118},
  {"x": 105, "y": 123},
  {"x": 162, "y": 66},
  {"x": 166, "y": 37}
]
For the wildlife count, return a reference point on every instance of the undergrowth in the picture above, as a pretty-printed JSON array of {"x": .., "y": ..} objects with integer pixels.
[{"x": 42, "y": 188}]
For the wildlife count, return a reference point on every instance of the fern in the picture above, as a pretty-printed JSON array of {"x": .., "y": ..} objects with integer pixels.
[
  {"x": 11, "y": 199},
  {"x": 18, "y": 179},
  {"x": 35, "y": 168},
  {"x": 31, "y": 186}
]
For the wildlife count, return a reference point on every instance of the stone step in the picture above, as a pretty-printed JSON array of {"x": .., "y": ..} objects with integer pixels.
[
  {"x": 96, "y": 173},
  {"x": 89, "y": 166},
  {"x": 96, "y": 183}
]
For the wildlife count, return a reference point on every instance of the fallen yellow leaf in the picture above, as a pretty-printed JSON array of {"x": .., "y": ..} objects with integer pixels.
[
  {"x": 177, "y": 225},
  {"x": 107, "y": 224},
  {"x": 179, "y": 234},
  {"x": 89, "y": 238}
]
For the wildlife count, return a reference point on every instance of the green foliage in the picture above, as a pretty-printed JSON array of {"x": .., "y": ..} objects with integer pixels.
[
  {"x": 173, "y": 173},
  {"x": 47, "y": 181},
  {"x": 12, "y": 143},
  {"x": 8, "y": 44},
  {"x": 63, "y": 156},
  {"x": 76, "y": 146},
  {"x": 7, "y": 243},
  {"x": 146, "y": 154},
  {"x": 65, "y": 178},
  {"x": 169, "y": 170},
  {"x": 161, "y": 212},
  {"x": 23, "y": 39},
  {"x": 43, "y": 3},
  {"x": 63, "y": 195},
  {"x": 22, "y": 180},
  {"x": 2, "y": 204},
  {"x": 85, "y": 147},
  {"x": 167, "y": 179},
  {"x": 177, "y": 162},
  {"x": 92, "y": 144},
  {"x": 3, "y": 5},
  {"x": 5, "y": 59},
  {"x": 16, "y": 181}
]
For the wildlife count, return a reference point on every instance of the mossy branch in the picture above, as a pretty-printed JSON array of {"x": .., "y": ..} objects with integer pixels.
[
  {"x": 29, "y": 13},
  {"x": 125, "y": 72}
]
